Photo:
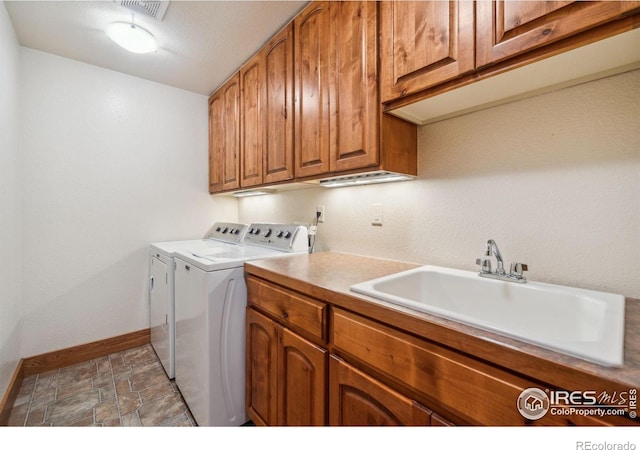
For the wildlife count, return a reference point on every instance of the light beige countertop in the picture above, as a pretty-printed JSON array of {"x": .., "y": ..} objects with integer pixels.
[{"x": 328, "y": 275}]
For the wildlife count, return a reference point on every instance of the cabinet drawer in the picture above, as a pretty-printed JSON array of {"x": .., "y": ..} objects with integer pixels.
[
  {"x": 300, "y": 313},
  {"x": 474, "y": 391}
]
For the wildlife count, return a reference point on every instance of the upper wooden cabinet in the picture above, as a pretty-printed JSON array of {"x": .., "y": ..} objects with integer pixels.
[
  {"x": 509, "y": 28},
  {"x": 267, "y": 113},
  {"x": 216, "y": 145},
  {"x": 252, "y": 85},
  {"x": 314, "y": 102},
  {"x": 307, "y": 106},
  {"x": 224, "y": 137},
  {"x": 278, "y": 107},
  {"x": 353, "y": 85},
  {"x": 431, "y": 47},
  {"x": 424, "y": 43},
  {"x": 339, "y": 128},
  {"x": 312, "y": 51}
]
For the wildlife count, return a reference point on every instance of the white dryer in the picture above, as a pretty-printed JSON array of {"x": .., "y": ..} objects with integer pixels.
[
  {"x": 211, "y": 297},
  {"x": 161, "y": 284}
]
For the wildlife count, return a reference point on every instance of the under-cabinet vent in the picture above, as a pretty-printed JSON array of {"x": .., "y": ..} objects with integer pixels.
[{"x": 155, "y": 9}]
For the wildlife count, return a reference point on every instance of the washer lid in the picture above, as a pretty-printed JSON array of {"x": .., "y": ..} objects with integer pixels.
[
  {"x": 201, "y": 245},
  {"x": 169, "y": 248},
  {"x": 219, "y": 259}
]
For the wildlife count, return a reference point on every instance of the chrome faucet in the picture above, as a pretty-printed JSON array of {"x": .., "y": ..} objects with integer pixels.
[
  {"x": 515, "y": 274},
  {"x": 492, "y": 248}
]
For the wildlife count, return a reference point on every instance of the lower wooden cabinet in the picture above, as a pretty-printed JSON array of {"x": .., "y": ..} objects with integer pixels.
[
  {"x": 261, "y": 386},
  {"x": 303, "y": 375},
  {"x": 310, "y": 362},
  {"x": 286, "y": 375},
  {"x": 356, "y": 399}
]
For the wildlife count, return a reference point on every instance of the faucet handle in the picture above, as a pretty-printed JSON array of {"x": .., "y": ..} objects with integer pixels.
[
  {"x": 517, "y": 269},
  {"x": 485, "y": 265}
]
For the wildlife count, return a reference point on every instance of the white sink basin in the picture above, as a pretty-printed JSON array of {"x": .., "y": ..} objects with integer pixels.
[{"x": 582, "y": 323}]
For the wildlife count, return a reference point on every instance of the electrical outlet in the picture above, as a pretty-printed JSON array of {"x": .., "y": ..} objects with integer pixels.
[
  {"x": 376, "y": 214},
  {"x": 320, "y": 210}
]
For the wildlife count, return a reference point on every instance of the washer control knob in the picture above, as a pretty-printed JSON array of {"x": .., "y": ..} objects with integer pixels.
[
  {"x": 225, "y": 230},
  {"x": 287, "y": 234},
  {"x": 268, "y": 232},
  {"x": 280, "y": 233}
]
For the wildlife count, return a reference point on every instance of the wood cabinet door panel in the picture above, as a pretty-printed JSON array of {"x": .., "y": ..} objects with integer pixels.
[
  {"x": 251, "y": 102},
  {"x": 303, "y": 371},
  {"x": 312, "y": 90},
  {"x": 424, "y": 44},
  {"x": 356, "y": 399},
  {"x": 216, "y": 145},
  {"x": 261, "y": 369},
  {"x": 231, "y": 133},
  {"x": 509, "y": 28},
  {"x": 354, "y": 85},
  {"x": 278, "y": 107}
]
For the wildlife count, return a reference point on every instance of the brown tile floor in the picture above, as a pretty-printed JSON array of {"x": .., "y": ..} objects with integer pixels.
[{"x": 128, "y": 388}]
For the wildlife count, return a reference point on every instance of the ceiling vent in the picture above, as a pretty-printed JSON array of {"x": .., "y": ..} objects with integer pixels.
[{"x": 155, "y": 9}]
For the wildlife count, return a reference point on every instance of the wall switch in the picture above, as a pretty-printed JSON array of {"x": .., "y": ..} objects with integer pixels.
[
  {"x": 320, "y": 210},
  {"x": 376, "y": 214}
]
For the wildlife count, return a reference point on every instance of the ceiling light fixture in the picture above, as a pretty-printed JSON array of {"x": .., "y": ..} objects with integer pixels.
[{"x": 132, "y": 37}]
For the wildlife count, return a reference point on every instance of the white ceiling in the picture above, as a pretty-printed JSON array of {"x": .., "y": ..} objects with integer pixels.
[{"x": 201, "y": 43}]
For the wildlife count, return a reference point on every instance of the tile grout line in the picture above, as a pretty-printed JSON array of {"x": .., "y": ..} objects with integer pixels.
[
  {"x": 115, "y": 392},
  {"x": 93, "y": 386},
  {"x": 33, "y": 390}
]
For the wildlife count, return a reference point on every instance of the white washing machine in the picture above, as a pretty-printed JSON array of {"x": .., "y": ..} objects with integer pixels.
[
  {"x": 211, "y": 297},
  {"x": 161, "y": 284}
]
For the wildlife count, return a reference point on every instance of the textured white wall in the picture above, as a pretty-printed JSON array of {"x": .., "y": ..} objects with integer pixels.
[
  {"x": 111, "y": 163},
  {"x": 10, "y": 234},
  {"x": 554, "y": 179}
]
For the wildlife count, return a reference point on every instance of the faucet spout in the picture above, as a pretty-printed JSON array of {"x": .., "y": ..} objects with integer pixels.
[{"x": 492, "y": 249}]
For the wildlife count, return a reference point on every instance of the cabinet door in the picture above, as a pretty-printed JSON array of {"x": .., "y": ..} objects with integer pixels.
[
  {"x": 261, "y": 389},
  {"x": 357, "y": 399},
  {"x": 353, "y": 85},
  {"x": 508, "y": 28},
  {"x": 230, "y": 93},
  {"x": 437, "y": 421},
  {"x": 424, "y": 43},
  {"x": 278, "y": 107},
  {"x": 303, "y": 371},
  {"x": 312, "y": 90},
  {"x": 216, "y": 142},
  {"x": 252, "y": 121}
]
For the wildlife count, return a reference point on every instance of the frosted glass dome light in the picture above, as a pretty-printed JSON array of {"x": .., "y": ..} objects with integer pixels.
[{"x": 132, "y": 37}]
